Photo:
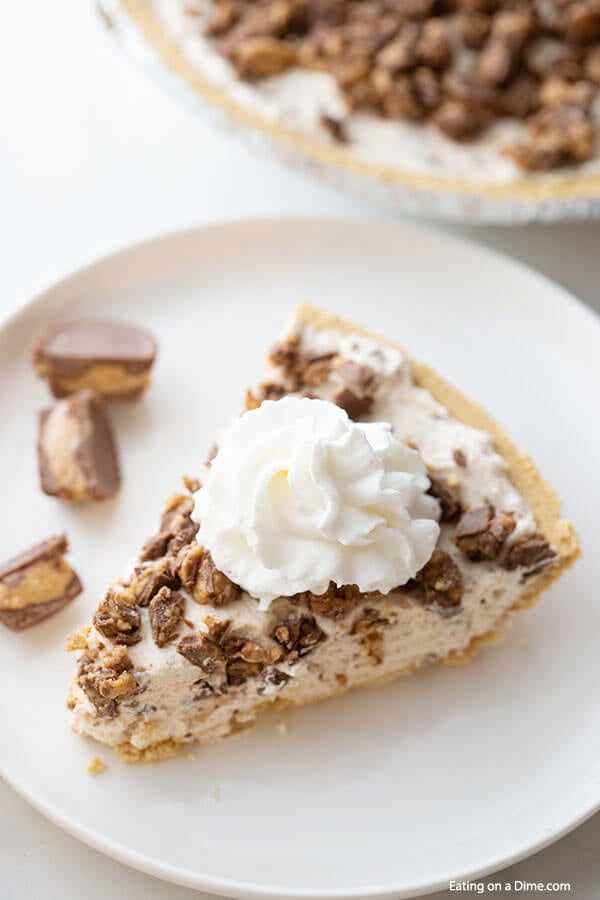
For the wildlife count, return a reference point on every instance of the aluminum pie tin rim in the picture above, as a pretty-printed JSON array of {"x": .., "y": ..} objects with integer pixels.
[{"x": 534, "y": 198}]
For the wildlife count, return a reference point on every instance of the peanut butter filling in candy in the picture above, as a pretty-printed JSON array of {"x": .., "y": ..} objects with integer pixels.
[
  {"x": 36, "y": 584},
  {"x": 112, "y": 358},
  {"x": 76, "y": 449}
]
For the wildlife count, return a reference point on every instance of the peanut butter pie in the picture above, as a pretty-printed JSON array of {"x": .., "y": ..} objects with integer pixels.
[
  {"x": 479, "y": 90},
  {"x": 359, "y": 520}
]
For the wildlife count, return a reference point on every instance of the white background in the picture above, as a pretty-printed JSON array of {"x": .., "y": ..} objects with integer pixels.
[{"x": 93, "y": 156}]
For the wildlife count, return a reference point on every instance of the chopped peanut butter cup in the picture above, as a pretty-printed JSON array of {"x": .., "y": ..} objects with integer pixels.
[
  {"x": 36, "y": 584},
  {"x": 77, "y": 455},
  {"x": 112, "y": 358}
]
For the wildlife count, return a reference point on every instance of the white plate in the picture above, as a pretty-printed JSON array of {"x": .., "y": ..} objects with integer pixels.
[{"x": 449, "y": 774}]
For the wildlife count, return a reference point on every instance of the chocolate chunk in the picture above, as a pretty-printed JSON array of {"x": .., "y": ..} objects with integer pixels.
[
  {"x": 448, "y": 497},
  {"x": 474, "y": 28},
  {"x": 434, "y": 47},
  {"x": 113, "y": 358},
  {"x": 245, "y": 657},
  {"x": 298, "y": 634},
  {"x": 200, "y": 650},
  {"x": 480, "y": 533},
  {"x": 268, "y": 390},
  {"x": 117, "y": 618},
  {"x": 240, "y": 656},
  {"x": 441, "y": 581},
  {"x": 149, "y": 579},
  {"x": 286, "y": 354},
  {"x": 261, "y": 57},
  {"x": 36, "y": 584},
  {"x": 334, "y": 604},
  {"x": 188, "y": 563},
  {"x": 299, "y": 368},
  {"x": 165, "y": 612},
  {"x": 88, "y": 679},
  {"x": 529, "y": 552},
  {"x": 316, "y": 368},
  {"x": 107, "y": 682},
  {"x": 239, "y": 671},
  {"x": 177, "y": 529},
  {"x": 555, "y": 137},
  {"x": 357, "y": 391},
  {"x": 211, "y": 586},
  {"x": 459, "y": 121},
  {"x": 77, "y": 456}
]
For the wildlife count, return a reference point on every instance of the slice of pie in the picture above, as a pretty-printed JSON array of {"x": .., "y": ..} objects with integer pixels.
[{"x": 360, "y": 520}]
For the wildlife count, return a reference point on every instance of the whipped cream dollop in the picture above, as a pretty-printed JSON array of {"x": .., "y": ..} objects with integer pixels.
[{"x": 299, "y": 496}]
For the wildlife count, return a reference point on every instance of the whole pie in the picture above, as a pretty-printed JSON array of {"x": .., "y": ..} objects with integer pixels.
[
  {"x": 360, "y": 520},
  {"x": 490, "y": 92}
]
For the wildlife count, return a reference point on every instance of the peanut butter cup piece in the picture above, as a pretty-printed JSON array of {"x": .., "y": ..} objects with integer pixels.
[
  {"x": 441, "y": 581},
  {"x": 529, "y": 552},
  {"x": 77, "y": 455},
  {"x": 298, "y": 634},
  {"x": 111, "y": 357},
  {"x": 481, "y": 533},
  {"x": 357, "y": 390},
  {"x": 36, "y": 584},
  {"x": 447, "y": 495},
  {"x": 165, "y": 612}
]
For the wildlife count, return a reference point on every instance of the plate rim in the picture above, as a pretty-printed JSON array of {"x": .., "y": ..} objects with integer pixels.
[{"x": 175, "y": 874}]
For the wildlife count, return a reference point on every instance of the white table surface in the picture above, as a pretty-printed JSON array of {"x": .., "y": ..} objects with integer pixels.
[{"x": 92, "y": 156}]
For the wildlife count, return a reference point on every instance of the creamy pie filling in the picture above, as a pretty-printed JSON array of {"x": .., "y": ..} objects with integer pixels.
[{"x": 147, "y": 681}]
